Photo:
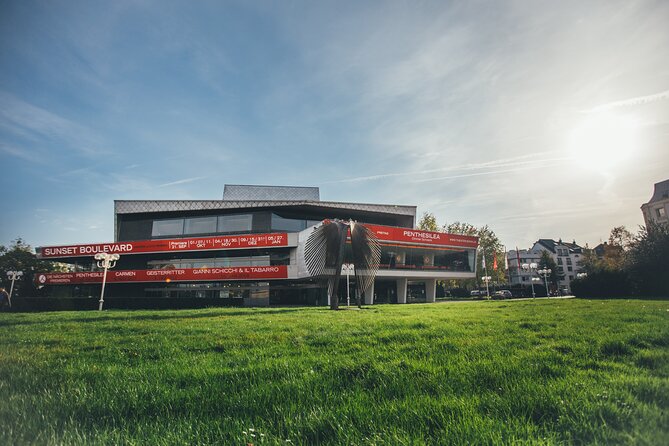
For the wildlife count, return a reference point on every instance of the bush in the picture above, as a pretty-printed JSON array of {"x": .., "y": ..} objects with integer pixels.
[
  {"x": 603, "y": 283},
  {"x": 459, "y": 292}
]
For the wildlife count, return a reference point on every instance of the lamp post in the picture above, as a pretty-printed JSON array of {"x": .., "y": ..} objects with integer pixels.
[
  {"x": 581, "y": 275},
  {"x": 530, "y": 267},
  {"x": 13, "y": 276},
  {"x": 348, "y": 269},
  {"x": 106, "y": 261},
  {"x": 487, "y": 280},
  {"x": 545, "y": 272}
]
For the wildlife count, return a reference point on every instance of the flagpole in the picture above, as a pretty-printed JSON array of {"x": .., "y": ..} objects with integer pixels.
[
  {"x": 506, "y": 265},
  {"x": 485, "y": 266}
]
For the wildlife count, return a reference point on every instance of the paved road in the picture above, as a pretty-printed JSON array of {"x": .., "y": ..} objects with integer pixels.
[{"x": 500, "y": 300}]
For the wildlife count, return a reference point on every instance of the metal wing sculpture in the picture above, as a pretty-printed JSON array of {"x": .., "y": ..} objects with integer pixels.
[{"x": 324, "y": 255}]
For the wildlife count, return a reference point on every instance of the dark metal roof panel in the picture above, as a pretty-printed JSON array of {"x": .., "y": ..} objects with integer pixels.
[
  {"x": 145, "y": 206},
  {"x": 239, "y": 192}
]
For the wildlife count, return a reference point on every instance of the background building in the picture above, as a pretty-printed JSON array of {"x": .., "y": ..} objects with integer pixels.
[
  {"x": 657, "y": 209},
  {"x": 248, "y": 249},
  {"x": 567, "y": 257}
]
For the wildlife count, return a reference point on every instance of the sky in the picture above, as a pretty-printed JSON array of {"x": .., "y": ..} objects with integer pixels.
[{"x": 538, "y": 119}]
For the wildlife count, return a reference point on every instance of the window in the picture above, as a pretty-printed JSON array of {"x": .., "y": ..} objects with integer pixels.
[
  {"x": 568, "y": 260},
  {"x": 200, "y": 225},
  {"x": 234, "y": 223},
  {"x": 287, "y": 224},
  {"x": 162, "y": 228},
  {"x": 661, "y": 213},
  {"x": 559, "y": 260},
  {"x": 569, "y": 268}
]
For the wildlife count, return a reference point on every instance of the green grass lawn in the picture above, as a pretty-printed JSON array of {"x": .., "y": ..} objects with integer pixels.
[{"x": 543, "y": 371}]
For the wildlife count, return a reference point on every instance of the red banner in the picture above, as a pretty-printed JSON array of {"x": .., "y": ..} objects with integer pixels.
[
  {"x": 414, "y": 236},
  {"x": 167, "y": 275},
  {"x": 167, "y": 245}
]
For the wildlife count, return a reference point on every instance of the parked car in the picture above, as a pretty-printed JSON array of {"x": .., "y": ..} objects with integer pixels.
[
  {"x": 502, "y": 294},
  {"x": 475, "y": 293}
]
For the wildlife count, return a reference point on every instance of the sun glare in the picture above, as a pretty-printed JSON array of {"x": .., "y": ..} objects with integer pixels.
[{"x": 603, "y": 141}]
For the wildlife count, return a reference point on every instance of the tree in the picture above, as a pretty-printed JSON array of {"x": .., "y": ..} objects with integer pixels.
[
  {"x": 620, "y": 236},
  {"x": 19, "y": 256},
  {"x": 646, "y": 261},
  {"x": 613, "y": 258},
  {"x": 546, "y": 261},
  {"x": 489, "y": 245},
  {"x": 428, "y": 222}
]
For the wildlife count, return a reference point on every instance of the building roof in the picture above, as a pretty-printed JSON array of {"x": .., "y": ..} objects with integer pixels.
[
  {"x": 551, "y": 245},
  {"x": 661, "y": 192},
  {"x": 144, "y": 206},
  {"x": 242, "y": 192}
]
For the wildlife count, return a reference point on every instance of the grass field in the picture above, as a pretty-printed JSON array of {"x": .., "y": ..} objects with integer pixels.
[{"x": 538, "y": 372}]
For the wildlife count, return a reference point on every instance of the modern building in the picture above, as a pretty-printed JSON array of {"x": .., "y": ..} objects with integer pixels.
[
  {"x": 657, "y": 209},
  {"x": 248, "y": 249},
  {"x": 567, "y": 257}
]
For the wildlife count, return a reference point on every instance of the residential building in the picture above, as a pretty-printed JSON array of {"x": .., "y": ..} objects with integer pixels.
[
  {"x": 567, "y": 257},
  {"x": 657, "y": 209}
]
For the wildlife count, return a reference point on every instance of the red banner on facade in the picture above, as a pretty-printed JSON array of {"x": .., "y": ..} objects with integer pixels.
[
  {"x": 167, "y": 245},
  {"x": 416, "y": 236},
  {"x": 167, "y": 275}
]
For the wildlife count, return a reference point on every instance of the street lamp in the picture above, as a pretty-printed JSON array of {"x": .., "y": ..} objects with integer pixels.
[
  {"x": 545, "y": 272},
  {"x": 106, "y": 261},
  {"x": 530, "y": 267},
  {"x": 581, "y": 275},
  {"x": 487, "y": 280},
  {"x": 348, "y": 269},
  {"x": 13, "y": 276}
]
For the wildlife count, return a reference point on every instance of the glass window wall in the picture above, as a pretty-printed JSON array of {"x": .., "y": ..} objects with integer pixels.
[
  {"x": 288, "y": 224},
  {"x": 235, "y": 223},
  {"x": 162, "y": 228},
  {"x": 393, "y": 257},
  {"x": 200, "y": 225}
]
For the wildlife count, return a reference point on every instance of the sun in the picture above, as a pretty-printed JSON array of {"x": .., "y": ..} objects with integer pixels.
[{"x": 604, "y": 141}]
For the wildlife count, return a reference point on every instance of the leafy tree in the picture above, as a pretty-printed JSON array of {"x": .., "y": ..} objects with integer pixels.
[
  {"x": 646, "y": 261},
  {"x": 546, "y": 261},
  {"x": 428, "y": 222},
  {"x": 489, "y": 244},
  {"x": 621, "y": 237},
  {"x": 615, "y": 250},
  {"x": 19, "y": 256}
]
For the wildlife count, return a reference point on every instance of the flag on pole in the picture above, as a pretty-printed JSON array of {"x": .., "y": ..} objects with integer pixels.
[
  {"x": 518, "y": 257},
  {"x": 506, "y": 260},
  {"x": 483, "y": 259},
  {"x": 494, "y": 260}
]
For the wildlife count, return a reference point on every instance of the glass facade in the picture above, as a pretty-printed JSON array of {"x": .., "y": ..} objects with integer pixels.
[
  {"x": 163, "y": 228},
  {"x": 395, "y": 257},
  {"x": 280, "y": 223},
  {"x": 235, "y": 223},
  {"x": 263, "y": 258},
  {"x": 199, "y": 225}
]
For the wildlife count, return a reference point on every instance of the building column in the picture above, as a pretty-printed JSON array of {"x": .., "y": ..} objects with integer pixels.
[
  {"x": 402, "y": 290},
  {"x": 431, "y": 290},
  {"x": 369, "y": 295}
]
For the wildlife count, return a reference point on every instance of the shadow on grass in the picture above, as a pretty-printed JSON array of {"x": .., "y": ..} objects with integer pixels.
[{"x": 128, "y": 316}]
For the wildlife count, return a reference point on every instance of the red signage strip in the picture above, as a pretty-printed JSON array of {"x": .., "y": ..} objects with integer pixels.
[
  {"x": 167, "y": 275},
  {"x": 416, "y": 236},
  {"x": 167, "y": 245}
]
